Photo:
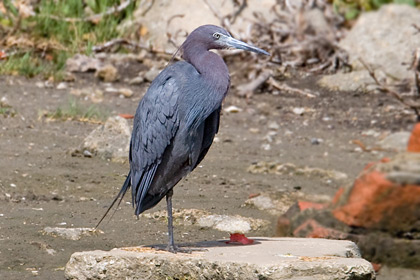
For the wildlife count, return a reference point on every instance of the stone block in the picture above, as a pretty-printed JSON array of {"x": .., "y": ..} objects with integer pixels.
[{"x": 266, "y": 258}]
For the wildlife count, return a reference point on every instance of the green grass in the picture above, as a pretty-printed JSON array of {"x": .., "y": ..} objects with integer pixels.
[
  {"x": 76, "y": 111},
  {"x": 25, "y": 65},
  {"x": 7, "y": 110},
  {"x": 64, "y": 26},
  {"x": 351, "y": 9}
]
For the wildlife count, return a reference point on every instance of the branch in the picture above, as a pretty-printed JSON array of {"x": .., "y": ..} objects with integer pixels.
[
  {"x": 249, "y": 88},
  {"x": 416, "y": 69},
  {"x": 416, "y": 27},
  {"x": 122, "y": 41},
  {"x": 384, "y": 88},
  {"x": 286, "y": 88}
]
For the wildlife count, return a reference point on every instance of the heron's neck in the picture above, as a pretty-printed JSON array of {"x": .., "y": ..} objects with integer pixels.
[{"x": 211, "y": 66}]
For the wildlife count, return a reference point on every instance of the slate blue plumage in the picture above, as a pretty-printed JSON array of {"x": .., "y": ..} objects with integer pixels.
[{"x": 177, "y": 119}]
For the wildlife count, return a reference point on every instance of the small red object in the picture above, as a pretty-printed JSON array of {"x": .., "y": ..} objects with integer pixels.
[
  {"x": 252, "y": 195},
  {"x": 376, "y": 266},
  {"x": 3, "y": 55},
  {"x": 240, "y": 238},
  {"x": 126, "y": 116}
]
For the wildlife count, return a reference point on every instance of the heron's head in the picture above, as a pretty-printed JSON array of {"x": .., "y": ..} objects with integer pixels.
[{"x": 215, "y": 37}]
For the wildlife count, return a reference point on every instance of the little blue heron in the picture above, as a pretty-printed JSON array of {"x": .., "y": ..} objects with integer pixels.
[{"x": 177, "y": 119}]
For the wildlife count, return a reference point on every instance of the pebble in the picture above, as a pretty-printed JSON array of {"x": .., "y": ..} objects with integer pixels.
[
  {"x": 107, "y": 73},
  {"x": 71, "y": 233},
  {"x": 126, "y": 92},
  {"x": 4, "y": 101},
  {"x": 62, "y": 85},
  {"x": 316, "y": 141},
  {"x": 151, "y": 74},
  {"x": 266, "y": 146},
  {"x": 87, "y": 153},
  {"x": 136, "y": 81},
  {"x": 298, "y": 110},
  {"x": 273, "y": 126},
  {"x": 232, "y": 109},
  {"x": 370, "y": 132}
]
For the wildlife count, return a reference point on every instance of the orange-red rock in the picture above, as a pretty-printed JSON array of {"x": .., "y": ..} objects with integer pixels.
[
  {"x": 414, "y": 141},
  {"x": 312, "y": 229},
  {"x": 376, "y": 203},
  {"x": 303, "y": 205}
]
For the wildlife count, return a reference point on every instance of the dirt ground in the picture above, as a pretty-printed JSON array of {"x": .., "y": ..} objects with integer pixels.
[{"x": 42, "y": 185}]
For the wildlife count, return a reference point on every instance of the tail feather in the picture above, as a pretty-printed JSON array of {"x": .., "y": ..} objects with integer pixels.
[{"x": 120, "y": 196}]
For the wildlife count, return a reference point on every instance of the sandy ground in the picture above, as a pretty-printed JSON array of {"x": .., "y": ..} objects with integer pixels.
[{"x": 42, "y": 185}]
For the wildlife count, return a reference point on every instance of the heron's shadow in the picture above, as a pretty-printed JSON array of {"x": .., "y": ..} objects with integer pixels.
[{"x": 203, "y": 246}]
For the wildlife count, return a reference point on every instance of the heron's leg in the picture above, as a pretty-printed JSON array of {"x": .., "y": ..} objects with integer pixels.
[{"x": 171, "y": 244}]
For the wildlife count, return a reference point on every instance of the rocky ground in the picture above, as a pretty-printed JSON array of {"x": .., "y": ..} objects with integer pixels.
[{"x": 43, "y": 185}]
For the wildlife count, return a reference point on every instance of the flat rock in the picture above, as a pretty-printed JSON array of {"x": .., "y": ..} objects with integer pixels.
[
  {"x": 294, "y": 170},
  {"x": 205, "y": 219},
  {"x": 110, "y": 141},
  {"x": 395, "y": 141},
  {"x": 267, "y": 258},
  {"x": 383, "y": 39},
  {"x": 157, "y": 19},
  {"x": 71, "y": 233},
  {"x": 359, "y": 80},
  {"x": 278, "y": 203}
]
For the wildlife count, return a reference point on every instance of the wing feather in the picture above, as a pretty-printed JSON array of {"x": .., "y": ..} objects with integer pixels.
[{"x": 155, "y": 125}]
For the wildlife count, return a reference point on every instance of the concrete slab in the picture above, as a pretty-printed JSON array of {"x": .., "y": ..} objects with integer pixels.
[{"x": 267, "y": 258}]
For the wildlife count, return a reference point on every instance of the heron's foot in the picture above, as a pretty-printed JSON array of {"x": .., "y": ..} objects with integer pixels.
[{"x": 175, "y": 249}]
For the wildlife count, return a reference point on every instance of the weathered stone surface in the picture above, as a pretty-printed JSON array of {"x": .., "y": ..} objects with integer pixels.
[
  {"x": 385, "y": 40},
  {"x": 226, "y": 223},
  {"x": 380, "y": 211},
  {"x": 396, "y": 141},
  {"x": 358, "y": 80},
  {"x": 267, "y": 258},
  {"x": 277, "y": 203},
  {"x": 151, "y": 14},
  {"x": 110, "y": 141},
  {"x": 375, "y": 202},
  {"x": 108, "y": 73},
  {"x": 414, "y": 141},
  {"x": 82, "y": 63},
  {"x": 293, "y": 170},
  {"x": 71, "y": 233}
]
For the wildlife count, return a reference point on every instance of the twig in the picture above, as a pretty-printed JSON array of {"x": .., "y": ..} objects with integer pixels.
[
  {"x": 416, "y": 27},
  {"x": 416, "y": 69},
  {"x": 214, "y": 11},
  {"x": 365, "y": 148},
  {"x": 236, "y": 13},
  {"x": 224, "y": 21},
  {"x": 171, "y": 39},
  {"x": 249, "y": 88},
  {"x": 122, "y": 41},
  {"x": 384, "y": 88},
  {"x": 152, "y": 2},
  {"x": 286, "y": 88},
  {"x": 117, "y": 41}
]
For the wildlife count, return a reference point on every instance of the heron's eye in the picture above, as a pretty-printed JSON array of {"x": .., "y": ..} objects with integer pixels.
[{"x": 216, "y": 35}]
